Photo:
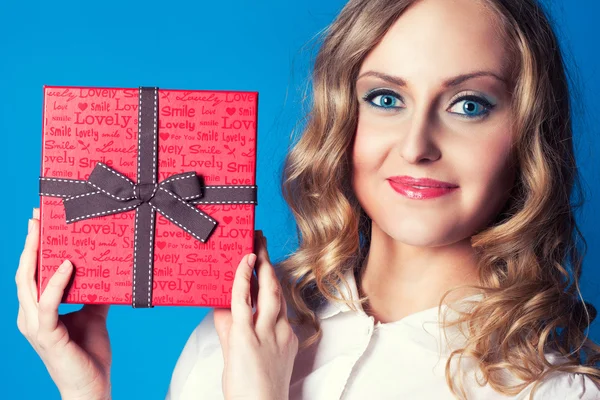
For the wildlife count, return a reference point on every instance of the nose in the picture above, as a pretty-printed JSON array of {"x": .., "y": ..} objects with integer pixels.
[{"x": 417, "y": 143}]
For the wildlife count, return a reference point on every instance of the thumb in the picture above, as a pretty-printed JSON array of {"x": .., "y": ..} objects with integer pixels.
[{"x": 223, "y": 321}]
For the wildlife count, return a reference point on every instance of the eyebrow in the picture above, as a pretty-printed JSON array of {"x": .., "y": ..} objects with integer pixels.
[{"x": 454, "y": 81}]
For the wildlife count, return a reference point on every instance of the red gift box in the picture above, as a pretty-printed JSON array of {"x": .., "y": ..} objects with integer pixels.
[{"x": 152, "y": 201}]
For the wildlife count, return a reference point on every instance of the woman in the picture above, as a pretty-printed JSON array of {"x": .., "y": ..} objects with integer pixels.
[{"x": 431, "y": 184}]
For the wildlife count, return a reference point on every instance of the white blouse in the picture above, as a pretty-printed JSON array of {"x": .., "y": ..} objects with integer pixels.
[{"x": 357, "y": 359}]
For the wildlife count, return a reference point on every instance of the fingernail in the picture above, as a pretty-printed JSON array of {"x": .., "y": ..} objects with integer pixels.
[
  {"x": 251, "y": 260},
  {"x": 64, "y": 267},
  {"x": 36, "y": 213},
  {"x": 29, "y": 225}
]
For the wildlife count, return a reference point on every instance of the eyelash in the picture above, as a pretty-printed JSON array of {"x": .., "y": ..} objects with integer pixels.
[{"x": 382, "y": 92}]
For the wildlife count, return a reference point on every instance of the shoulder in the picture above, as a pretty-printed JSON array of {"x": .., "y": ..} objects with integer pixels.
[
  {"x": 565, "y": 385},
  {"x": 204, "y": 335},
  {"x": 203, "y": 339},
  {"x": 202, "y": 343},
  {"x": 568, "y": 386}
]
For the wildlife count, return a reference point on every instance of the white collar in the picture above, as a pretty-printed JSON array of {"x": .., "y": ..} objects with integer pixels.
[
  {"x": 329, "y": 309},
  {"x": 416, "y": 324}
]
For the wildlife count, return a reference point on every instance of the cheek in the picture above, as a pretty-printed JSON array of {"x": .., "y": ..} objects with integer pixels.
[
  {"x": 492, "y": 161},
  {"x": 368, "y": 152},
  {"x": 480, "y": 166},
  {"x": 373, "y": 142},
  {"x": 367, "y": 156},
  {"x": 487, "y": 178}
]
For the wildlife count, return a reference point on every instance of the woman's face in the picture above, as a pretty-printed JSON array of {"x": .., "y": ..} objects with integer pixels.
[{"x": 434, "y": 103}]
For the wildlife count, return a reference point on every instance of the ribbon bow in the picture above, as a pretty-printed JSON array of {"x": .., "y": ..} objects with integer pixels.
[{"x": 109, "y": 192}]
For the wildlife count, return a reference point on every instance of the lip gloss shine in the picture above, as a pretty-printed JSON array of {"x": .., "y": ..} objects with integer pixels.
[{"x": 420, "y": 193}]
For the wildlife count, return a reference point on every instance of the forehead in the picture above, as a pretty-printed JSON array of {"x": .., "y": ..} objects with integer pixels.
[{"x": 434, "y": 39}]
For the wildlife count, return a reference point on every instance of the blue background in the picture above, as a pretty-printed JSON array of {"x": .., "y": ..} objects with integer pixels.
[{"x": 262, "y": 46}]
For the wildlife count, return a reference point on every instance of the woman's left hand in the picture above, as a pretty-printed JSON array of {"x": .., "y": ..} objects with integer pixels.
[{"x": 258, "y": 349}]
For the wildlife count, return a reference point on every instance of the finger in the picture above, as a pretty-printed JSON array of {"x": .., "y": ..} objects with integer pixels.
[
  {"x": 283, "y": 315},
  {"x": 282, "y": 326},
  {"x": 36, "y": 213},
  {"x": 51, "y": 297},
  {"x": 241, "y": 307},
  {"x": 254, "y": 281},
  {"x": 283, "y": 311},
  {"x": 264, "y": 244},
  {"x": 25, "y": 275},
  {"x": 269, "y": 300},
  {"x": 283, "y": 307},
  {"x": 22, "y": 322},
  {"x": 222, "y": 319},
  {"x": 254, "y": 291}
]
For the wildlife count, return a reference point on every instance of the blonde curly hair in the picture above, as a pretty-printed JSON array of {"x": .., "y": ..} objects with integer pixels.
[{"x": 531, "y": 246}]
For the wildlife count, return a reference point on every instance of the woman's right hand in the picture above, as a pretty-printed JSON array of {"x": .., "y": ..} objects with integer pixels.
[{"x": 74, "y": 347}]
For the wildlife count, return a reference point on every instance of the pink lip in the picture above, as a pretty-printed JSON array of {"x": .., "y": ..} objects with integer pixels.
[{"x": 405, "y": 185}]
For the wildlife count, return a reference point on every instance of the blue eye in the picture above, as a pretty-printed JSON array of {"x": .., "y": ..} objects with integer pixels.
[
  {"x": 383, "y": 99},
  {"x": 472, "y": 107},
  {"x": 469, "y": 106}
]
